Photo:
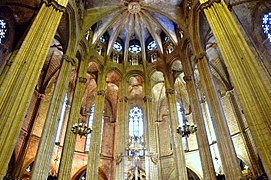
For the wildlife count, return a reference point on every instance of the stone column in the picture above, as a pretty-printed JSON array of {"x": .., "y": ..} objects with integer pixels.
[
  {"x": 151, "y": 156},
  {"x": 178, "y": 152},
  {"x": 94, "y": 150},
  {"x": 253, "y": 157},
  {"x": 122, "y": 122},
  {"x": 19, "y": 84},
  {"x": 247, "y": 75},
  {"x": 224, "y": 142},
  {"x": 47, "y": 141},
  {"x": 70, "y": 138},
  {"x": 202, "y": 139}
]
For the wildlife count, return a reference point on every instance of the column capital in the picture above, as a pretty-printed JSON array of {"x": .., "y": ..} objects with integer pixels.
[
  {"x": 147, "y": 98},
  {"x": 187, "y": 78},
  {"x": 123, "y": 99},
  {"x": 101, "y": 93},
  {"x": 198, "y": 56},
  {"x": 207, "y": 4},
  {"x": 40, "y": 95},
  {"x": 55, "y": 5},
  {"x": 69, "y": 59},
  {"x": 82, "y": 79},
  {"x": 170, "y": 91}
]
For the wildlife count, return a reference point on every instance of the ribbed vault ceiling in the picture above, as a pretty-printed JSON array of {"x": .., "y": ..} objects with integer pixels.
[{"x": 138, "y": 20}]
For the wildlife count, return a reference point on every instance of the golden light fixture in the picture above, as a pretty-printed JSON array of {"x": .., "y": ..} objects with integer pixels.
[{"x": 82, "y": 129}]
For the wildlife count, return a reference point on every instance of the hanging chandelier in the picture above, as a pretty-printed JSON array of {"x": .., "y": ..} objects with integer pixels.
[
  {"x": 82, "y": 129},
  {"x": 186, "y": 130}
]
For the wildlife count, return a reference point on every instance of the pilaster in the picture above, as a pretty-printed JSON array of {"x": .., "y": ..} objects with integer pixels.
[
  {"x": 225, "y": 145},
  {"x": 70, "y": 138},
  {"x": 151, "y": 156},
  {"x": 202, "y": 140},
  {"x": 94, "y": 150},
  {"x": 249, "y": 81},
  {"x": 178, "y": 152},
  {"x": 47, "y": 141},
  {"x": 17, "y": 89},
  {"x": 122, "y": 122}
]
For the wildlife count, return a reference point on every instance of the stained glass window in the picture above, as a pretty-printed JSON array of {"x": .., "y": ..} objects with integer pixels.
[
  {"x": 152, "y": 45},
  {"x": 90, "y": 121},
  {"x": 117, "y": 46},
  {"x": 135, "y": 48},
  {"x": 102, "y": 39},
  {"x": 136, "y": 131},
  {"x": 266, "y": 25},
  {"x": 181, "y": 119},
  {"x": 3, "y": 31},
  {"x": 60, "y": 123}
]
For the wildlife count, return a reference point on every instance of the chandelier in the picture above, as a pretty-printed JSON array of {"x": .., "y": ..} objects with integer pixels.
[
  {"x": 186, "y": 130},
  {"x": 82, "y": 129}
]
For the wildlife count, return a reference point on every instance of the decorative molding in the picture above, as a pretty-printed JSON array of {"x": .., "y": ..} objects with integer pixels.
[
  {"x": 187, "y": 78},
  {"x": 207, "y": 4},
  {"x": 118, "y": 158},
  {"x": 55, "y": 5},
  {"x": 82, "y": 80},
  {"x": 101, "y": 92},
  {"x": 154, "y": 158},
  {"x": 147, "y": 98},
  {"x": 199, "y": 57},
  {"x": 69, "y": 59},
  {"x": 170, "y": 91},
  {"x": 123, "y": 99}
]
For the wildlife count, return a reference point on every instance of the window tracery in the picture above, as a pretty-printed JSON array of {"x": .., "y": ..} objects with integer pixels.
[
  {"x": 3, "y": 31},
  {"x": 135, "y": 48},
  {"x": 266, "y": 25},
  {"x": 117, "y": 46},
  {"x": 136, "y": 131},
  {"x": 152, "y": 46}
]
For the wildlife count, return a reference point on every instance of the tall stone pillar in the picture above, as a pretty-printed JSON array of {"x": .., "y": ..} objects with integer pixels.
[
  {"x": 151, "y": 156},
  {"x": 47, "y": 141},
  {"x": 94, "y": 150},
  {"x": 178, "y": 152},
  {"x": 121, "y": 134},
  {"x": 247, "y": 75},
  {"x": 224, "y": 142},
  {"x": 202, "y": 140},
  {"x": 253, "y": 157},
  {"x": 19, "y": 84},
  {"x": 70, "y": 138}
]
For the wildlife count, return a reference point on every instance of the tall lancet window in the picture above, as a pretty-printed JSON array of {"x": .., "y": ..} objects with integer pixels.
[
  {"x": 3, "y": 31},
  {"x": 266, "y": 25},
  {"x": 61, "y": 119},
  {"x": 181, "y": 121},
  {"x": 90, "y": 121},
  {"x": 136, "y": 131}
]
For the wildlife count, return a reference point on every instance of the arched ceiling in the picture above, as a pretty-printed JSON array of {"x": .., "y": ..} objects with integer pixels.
[{"x": 136, "y": 20}]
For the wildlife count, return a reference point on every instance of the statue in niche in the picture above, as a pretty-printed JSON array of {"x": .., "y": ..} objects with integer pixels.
[
  {"x": 153, "y": 57},
  {"x": 170, "y": 48},
  {"x": 116, "y": 58},
  {"x": 134, "y": 60},
  {"x": 99, "y": 49}
]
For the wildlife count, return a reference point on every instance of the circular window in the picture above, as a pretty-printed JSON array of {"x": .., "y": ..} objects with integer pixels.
[
  {"x": 3, "y": 31},
  {"x": 117, "y": 46},
  {"x": 135, "y": 48},
  {"x": 102, "y": 39},
  {"x": 152, "y": 45},
  {"x": 266, "y": 25}
]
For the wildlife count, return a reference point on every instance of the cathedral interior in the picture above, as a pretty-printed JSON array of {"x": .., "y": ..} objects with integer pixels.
[{"x": 135, "y": 89}]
